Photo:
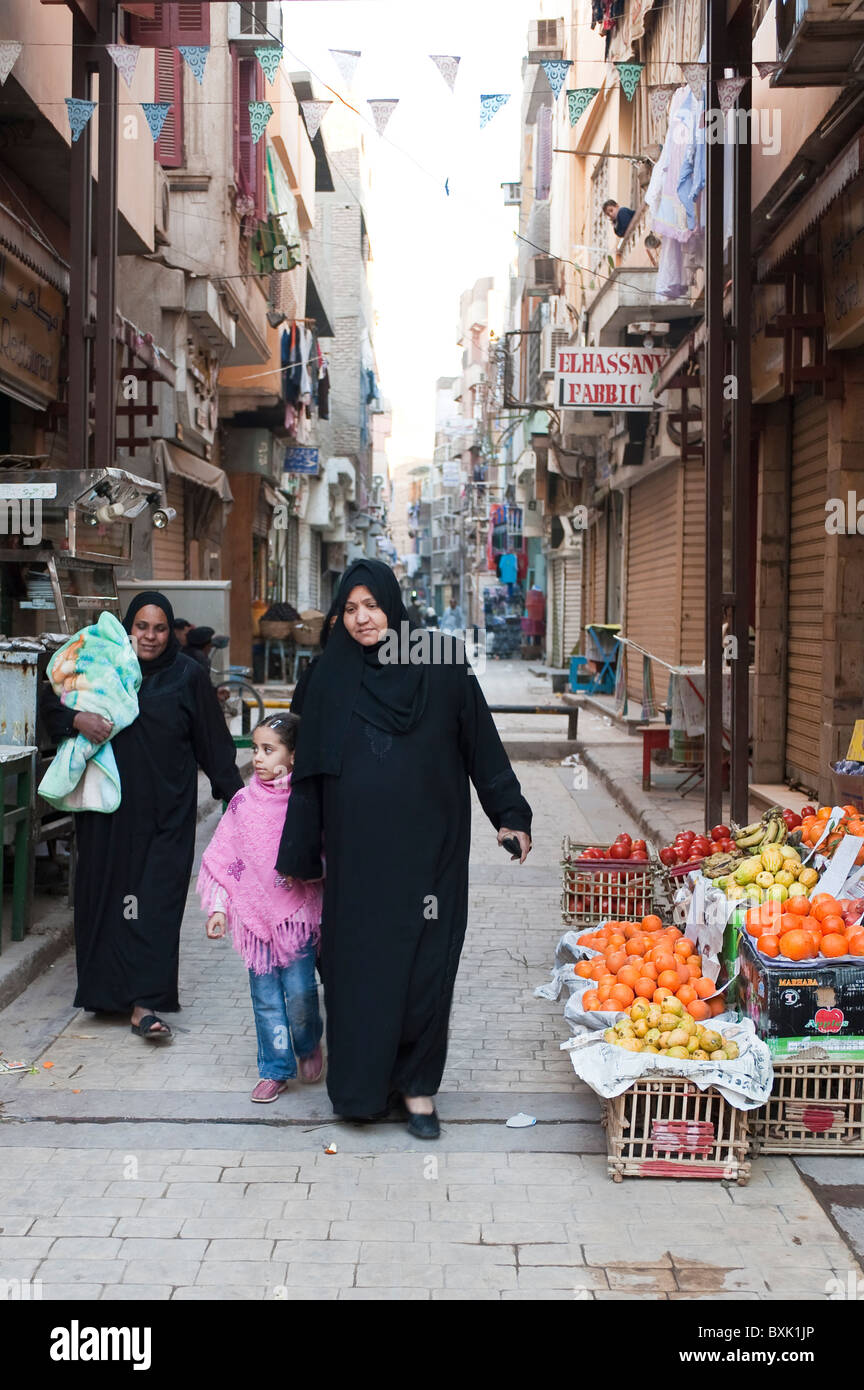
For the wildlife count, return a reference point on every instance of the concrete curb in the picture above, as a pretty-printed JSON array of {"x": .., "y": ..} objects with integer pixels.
[
  {"x": 650, "y": 829},
  {"x": 22, "y": 962}
]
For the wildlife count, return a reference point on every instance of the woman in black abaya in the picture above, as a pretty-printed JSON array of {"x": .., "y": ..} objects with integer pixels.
[
  {"x": 134, "y": 865},
  {"x": 383, "y": 761}
]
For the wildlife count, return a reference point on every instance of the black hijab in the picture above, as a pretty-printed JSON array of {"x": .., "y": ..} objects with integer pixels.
[
  {"x": 349, "y": 678},
  {"x": 151, "y": 596}
]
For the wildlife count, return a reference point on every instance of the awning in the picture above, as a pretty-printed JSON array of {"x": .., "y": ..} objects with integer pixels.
[
  {"x": 845, "y": 168},
  {"x": 273, "y": 497},
  {"x": 174, "y": 460}
]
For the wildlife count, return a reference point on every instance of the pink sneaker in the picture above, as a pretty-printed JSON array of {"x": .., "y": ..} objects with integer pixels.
[
  {"x": 311, "y": 1067},
  {"x": 266, "y": 1091}
]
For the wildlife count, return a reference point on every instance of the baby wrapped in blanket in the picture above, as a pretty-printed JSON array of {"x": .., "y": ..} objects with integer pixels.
[{"x": 96, "y": 672}]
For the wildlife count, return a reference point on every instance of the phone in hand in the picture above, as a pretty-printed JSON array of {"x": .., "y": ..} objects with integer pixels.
[{"x": 512, "y": 846}]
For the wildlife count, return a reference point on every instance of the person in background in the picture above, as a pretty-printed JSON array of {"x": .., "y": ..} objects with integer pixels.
[
  {"x": 415, "y": 614},
  {"x": 431, "y": 619},
  {"x": 618, "y": 216},
  {"x": 452, "y": 620},
  {"x": 201, "y": 642},
  {"x": 182, "y": 627}
]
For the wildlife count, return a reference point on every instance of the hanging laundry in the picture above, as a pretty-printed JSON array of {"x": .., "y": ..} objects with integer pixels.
[
  {"x": 323, "y": 391},
  {"x": 291, "y": 369},
  {"x": 305, "y": 357}
]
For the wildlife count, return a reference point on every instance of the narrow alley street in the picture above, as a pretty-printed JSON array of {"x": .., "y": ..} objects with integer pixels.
[{"x": 134, "y": 1172}]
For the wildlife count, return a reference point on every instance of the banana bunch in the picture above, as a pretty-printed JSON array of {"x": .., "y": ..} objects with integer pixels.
[{"x": 770, "y": 829}]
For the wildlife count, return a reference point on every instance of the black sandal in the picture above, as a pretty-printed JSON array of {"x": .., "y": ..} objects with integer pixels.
[{"x": 144, "y": 1028}]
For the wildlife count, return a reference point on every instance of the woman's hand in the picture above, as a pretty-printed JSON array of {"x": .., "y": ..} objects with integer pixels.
[
  {"x": 216, "y": 925},
  {"x": 524, "y": 842},
  {"x": 93, "y": 726}
]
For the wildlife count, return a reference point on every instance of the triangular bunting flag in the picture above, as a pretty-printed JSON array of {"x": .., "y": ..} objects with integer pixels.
[
  {"x": 659, "y": 98},
  {"x": 382, "y": 111},
  {"x": 9, "y": 51},
  {"x": 629, "y": 74},
  {"x": 556, "y": 69},
  {"x": 768, "y": 69},
  {"x": 728, "y": 89},
  {"x": 80, "y": 112},
  {"x": 346, "y": 60},
  {"x": 579, "y": 100},
  {"x": 313, "y": 114},
  {"x": 125, "y": 58},
  {"x": 259, "y": 114},
  {"x": 490, "y": 105},
  {"x": 196, "y": 57},
  {"x": 694, "y": 76},
  {"x": 269, "y": 55},
  {"x": 155, "y": 113},
  {"x": 447, "y": 66}
]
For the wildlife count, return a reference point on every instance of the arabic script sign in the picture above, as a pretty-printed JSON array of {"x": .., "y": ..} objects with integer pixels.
[{"x": 31, "y": 326}]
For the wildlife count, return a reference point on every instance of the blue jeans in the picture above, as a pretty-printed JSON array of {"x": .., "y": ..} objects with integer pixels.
[{"x": 287, "y": 1019}]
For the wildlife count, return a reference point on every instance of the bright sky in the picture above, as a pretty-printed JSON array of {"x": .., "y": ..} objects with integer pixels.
[{"x": 427, "y": 247}]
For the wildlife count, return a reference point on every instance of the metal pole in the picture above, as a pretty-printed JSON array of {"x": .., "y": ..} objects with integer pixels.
[
  {"x": 105, "y": 353},
  {"x": 741, "y": 443},
  {"x": 715, "y": 369},
  {"x": 80, "y": 246}
]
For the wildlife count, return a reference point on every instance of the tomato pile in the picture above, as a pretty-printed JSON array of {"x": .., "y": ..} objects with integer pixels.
[
  {"x": 813, "y": 826},
  {"x": 689, "y": 846},
  {"x": 645, "y": 960},
  {"x": 635, "y": 851},
  {"x": 805, "y": 928}
]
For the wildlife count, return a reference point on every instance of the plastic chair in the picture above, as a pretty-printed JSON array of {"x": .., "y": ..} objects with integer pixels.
[
  {"x": 282, "y": 648},
  {"x": 580, "y": 676}
]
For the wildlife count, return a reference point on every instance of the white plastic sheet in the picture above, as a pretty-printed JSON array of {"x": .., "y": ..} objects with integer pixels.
[{"x": 745, "y": 1082}]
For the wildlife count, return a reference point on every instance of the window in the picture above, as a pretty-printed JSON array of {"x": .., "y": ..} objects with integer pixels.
[
  {"x": 543, "y": 156},
  {"x": 599, "y": 221},
  {"x": 248, "y": 157},
  {"x": 173, "y": 24},
  {"x": 169, "y": 87},
  {"x": 253, "y": 17},
  {"x": 547, "y": 33}
]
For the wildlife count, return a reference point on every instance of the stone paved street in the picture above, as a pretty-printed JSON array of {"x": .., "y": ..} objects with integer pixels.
[{"x": 130, "y": 1172}]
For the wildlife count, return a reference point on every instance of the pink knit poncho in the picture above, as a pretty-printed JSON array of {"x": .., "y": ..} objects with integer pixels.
[{"x": 270, "y": 924}]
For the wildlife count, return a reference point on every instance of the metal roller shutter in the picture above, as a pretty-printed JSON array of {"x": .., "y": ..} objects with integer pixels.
[
  {"x": 292, "y": 560},
  {"x": 596, "y": 610},
  {"x": 572, "y": 626},
  {"x": 692, "y": 650},
  {"x": 169, "y": 545},
  {"x": 556, "y": 597},
  {"x": 315, "y": 570},
  {"x": 654, "y": 577},
  {"x": 806, "y": 573}
]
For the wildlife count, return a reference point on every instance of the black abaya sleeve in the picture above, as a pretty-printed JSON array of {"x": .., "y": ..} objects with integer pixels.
[
  {"x": 487, "y": 763},
  {"x": 300, "y": 688},
  {"x": 59, "y": 720},
  {"x": 211, "y": 742},
  {"x": 300, "y": 846}
]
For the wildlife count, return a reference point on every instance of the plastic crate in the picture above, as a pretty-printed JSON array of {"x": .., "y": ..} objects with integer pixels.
[
  {"x": 816, "y": 1107},
  {"x": 667, "y": 1128},
  {"x": 596, "y": 890}
]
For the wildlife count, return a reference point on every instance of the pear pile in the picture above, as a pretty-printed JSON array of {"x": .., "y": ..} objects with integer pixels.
[
  {"x": 667, "y": 1030},
  {"x": 773, "y": 875}
]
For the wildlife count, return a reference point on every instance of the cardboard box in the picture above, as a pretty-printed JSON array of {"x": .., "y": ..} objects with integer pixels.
[{"x": 793, "y": 1004}]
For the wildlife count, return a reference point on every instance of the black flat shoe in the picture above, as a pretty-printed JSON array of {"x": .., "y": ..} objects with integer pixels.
[{"x": 422, "y": 1126}]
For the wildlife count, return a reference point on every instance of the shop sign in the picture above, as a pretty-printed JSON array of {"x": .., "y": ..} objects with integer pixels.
[
  {"x": 843, "y": 268},
  {"x": 451, "y": 473},
  {"x": 31, "y": 321},
  {"x": 301, "y": 460},
  {"x": 608, "y": 378}
]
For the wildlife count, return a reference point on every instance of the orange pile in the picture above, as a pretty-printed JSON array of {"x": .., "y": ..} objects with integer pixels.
[
  {"x": 645, "y": 960},
  {"x": 812, "y": 828},
  {"x": 803, "y": 928}
]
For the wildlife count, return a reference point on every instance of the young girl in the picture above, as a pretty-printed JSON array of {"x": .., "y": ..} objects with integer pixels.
[{"x": 275, "y": 925}]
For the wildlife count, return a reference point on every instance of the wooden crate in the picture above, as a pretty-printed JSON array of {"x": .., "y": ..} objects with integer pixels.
[
  {"x": 665, "y": 1127},
  {"x": 600, "y": 890},
  {"x": 816, "y": 1106}
]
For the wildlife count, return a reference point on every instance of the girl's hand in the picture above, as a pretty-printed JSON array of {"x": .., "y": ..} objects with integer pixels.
[{"x": 216, "y": 925}]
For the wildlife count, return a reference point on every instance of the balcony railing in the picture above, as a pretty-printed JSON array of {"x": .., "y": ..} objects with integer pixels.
[{"x": 818, "y": 41}]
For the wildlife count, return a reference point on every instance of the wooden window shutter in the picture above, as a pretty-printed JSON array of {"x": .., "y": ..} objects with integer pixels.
[
  {"x": 169, "y": 87},
  {"x": 246, "y": 180},
  {"x": 235, "y": 112},
  {"x": 259, "y": 151},
  {"x": 172, "y": 24}
]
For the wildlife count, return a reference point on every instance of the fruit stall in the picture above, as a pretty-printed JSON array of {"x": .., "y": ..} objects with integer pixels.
[{"x": 715, "y": 991}]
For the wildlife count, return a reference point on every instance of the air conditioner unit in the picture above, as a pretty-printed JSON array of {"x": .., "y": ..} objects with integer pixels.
[
  {"x": 255, "y": 19},
  {"x": 541, "y": 277},
  {"x": 545, "y": 40},
  {"x": 551, "y": 340}
]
